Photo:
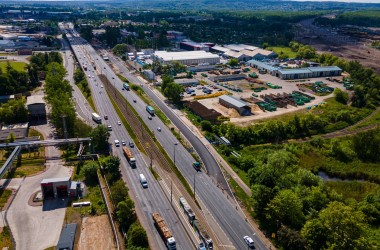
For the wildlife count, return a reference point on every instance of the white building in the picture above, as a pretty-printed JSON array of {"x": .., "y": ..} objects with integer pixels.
[{"x": 187, "y": 57}]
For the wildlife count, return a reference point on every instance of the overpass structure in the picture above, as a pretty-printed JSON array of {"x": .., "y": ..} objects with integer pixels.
[
  {"x": 35, "y": 143},
  {"x": 44, "y": 143}
]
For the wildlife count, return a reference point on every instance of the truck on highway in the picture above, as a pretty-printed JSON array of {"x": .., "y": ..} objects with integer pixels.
[
  {"x": 96, "y": 118},
  {"x": 164, "y": 231},
  {"x": 197, "y": 166},
  {"x": 126, "y": 86},
  {"x": 150, "y": 110},
  {"x": 128, "y": 154},
  {"x": 203, "y": 234},
  {"x": 187, "y": 209}
]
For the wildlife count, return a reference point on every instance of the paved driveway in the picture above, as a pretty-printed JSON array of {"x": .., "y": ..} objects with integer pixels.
[{"x": 38, "y": 227}]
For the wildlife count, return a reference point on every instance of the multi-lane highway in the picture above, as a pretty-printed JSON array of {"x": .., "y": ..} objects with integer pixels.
[
  {"x": 217, "y": 206},
  {"x": 151, "y": 199}
]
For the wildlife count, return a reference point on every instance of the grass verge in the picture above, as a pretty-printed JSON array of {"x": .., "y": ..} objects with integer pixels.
[
  {"x": 374, "y": 119},
  {"x": 4, "y": 196},
  {"x": 6, "y": 239},
  {"x": 33, "y": 132}
]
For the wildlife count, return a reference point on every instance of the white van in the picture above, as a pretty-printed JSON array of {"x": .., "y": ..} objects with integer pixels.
[
  {"x": 117, "y": 143},
  {"x": 143, "y": 181}
]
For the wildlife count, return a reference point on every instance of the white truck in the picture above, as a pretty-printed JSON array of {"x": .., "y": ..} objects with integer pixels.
[{"x": 96, "y": 118}]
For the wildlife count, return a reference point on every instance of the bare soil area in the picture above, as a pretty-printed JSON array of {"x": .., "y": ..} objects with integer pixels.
[
  {"x": 341, "y": 45},
  {"x": 96, "y": 233}
]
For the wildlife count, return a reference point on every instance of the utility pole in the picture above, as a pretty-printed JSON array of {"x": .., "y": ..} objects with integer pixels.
[
  {"x": 194, "y": 186},
  {"x": 171, "y": 191},
  {"x": 64, "y": 126},
  {"x": 174, "y": 147}
]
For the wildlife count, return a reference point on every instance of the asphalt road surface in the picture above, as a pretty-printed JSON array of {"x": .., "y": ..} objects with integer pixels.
[{"x": 151, "y": 199}]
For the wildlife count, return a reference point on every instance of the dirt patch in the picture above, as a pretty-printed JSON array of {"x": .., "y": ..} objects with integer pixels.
[{"x": 96, "y": 233}]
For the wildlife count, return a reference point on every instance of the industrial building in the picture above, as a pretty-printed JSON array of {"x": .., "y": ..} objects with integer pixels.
[
  {"x": 289, "y": 74},
  {"x": 56, "y": 187},
  {"x": 186, "y": 57},
  {"x": 67, "y": 238},
  {"x": 243, "y": 52},
  {"x": 187, "y": 82},
  {"x": 270, "y": 69},
  {"x": 233, "y": 102},
  {"x": 202, "y": 111},
  {"x": 149, "y": 74},
  {"x": 36, "y": 106},
  {"x": 193, "y": 46},
  {"x": 226, "y": 78},
  {"x": 201, "y": 68}
]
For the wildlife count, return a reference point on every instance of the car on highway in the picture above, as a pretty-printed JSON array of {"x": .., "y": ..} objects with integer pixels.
[
  {"x": 201, "y": 246},
  {"x": 159, "y": 129},
  {"x": 134, "y": 100},
  {"x": 248, "y": 240},
  {"x": 131, "y": 144},
  {"x": 101, "y": 86},
  {"x": 109, "y": 127},
  {"x": 149, "y": 117},
  {"x": 118, "y": 123},
  {"x": 123, "y": 143},
  {"x": 106, "y": 117},
  {"x": 117, "y": 143}
]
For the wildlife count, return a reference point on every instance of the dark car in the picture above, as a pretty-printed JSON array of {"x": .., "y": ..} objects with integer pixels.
[{"x": 106, "y": 117}]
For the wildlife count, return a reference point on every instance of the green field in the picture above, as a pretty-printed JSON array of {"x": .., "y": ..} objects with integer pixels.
[
  {"x": 357, "y": 190},
  {"x": 287, "y": 51},
  {"x": 19, "y": 66}
]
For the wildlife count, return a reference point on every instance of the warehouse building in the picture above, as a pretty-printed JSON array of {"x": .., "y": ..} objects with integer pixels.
[
  {"x": 187, "y": 82},
  {"x": 193, "y": 46},
  {"x": 36, "y": 106},
  {"x": 202, "y": 111},
  {"x": 226, "y": 78},
  {"x": 270, "y": 69},
  {"x": 243, "y": 52},
  {"x": 233, "y": 102},
  {"x": 187, "y": 57},
  {"x": 289, "y": 74},
  {"x": 19, "y": 131}
]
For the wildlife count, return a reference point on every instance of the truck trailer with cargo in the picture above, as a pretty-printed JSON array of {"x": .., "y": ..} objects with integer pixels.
[
  {"x": 164, "y": 231},
  {"x": 128, "y": 154}
]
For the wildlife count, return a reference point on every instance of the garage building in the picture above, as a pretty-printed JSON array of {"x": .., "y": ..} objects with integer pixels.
[
  {"x": 186, "y": 57},
  {"x": 55, "y": 187},
  {"x": 36, "y": 106},
  {"x": 289, "y": 74},
  {"x": 233, "y": 102}
]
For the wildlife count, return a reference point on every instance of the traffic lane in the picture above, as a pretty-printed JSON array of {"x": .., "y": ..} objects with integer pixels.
[{"x": 181, "y": 235}]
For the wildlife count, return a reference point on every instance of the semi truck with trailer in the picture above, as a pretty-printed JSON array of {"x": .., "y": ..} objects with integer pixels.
[
  {"x": 203, "y": 234},
  {"x": 96, "y": 118},
  {"x": 128, "y": 154},
  {"x": 164, "y": 231},
  {"x": 187, "y": 209}
]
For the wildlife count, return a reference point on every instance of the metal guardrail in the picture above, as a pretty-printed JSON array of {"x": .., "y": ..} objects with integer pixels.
[{"x": 9, "y": 161}]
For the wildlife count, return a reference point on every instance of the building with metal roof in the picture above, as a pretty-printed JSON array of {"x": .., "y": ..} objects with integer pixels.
[
  {"x": 235, "y": 103},
  {"x": 263, "y": 66},
  {"x": 186, "y": 57},
  {"x": 67, "y": 238},
  {"x": 225, "y": 78},
  {"x": 36, "y": 106},
  {"x": 187, "y": 82},
  {"x": 301, "y": 73},
  {"x": 19, "y": 130}
]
